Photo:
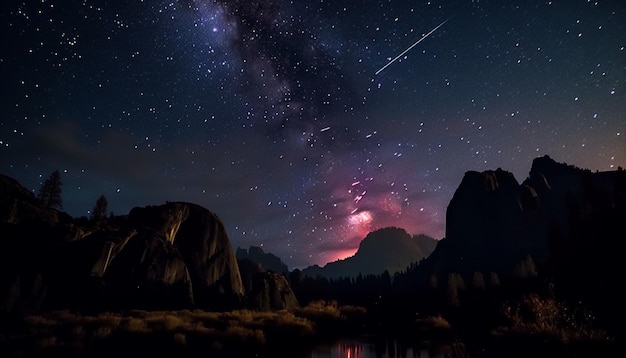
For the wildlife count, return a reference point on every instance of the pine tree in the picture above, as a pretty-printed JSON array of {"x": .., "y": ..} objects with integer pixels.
[
  {"x": 455, "y": 284},
  {"x": 478, "y": 280},
  {"x": 50, "y": 191},
  {"x": 99, "y": 211}
]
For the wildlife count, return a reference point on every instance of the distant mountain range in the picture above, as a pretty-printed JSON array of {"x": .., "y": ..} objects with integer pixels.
[
  {"x": 389, "y": 249},
  {"x": 563, "y": 221}
]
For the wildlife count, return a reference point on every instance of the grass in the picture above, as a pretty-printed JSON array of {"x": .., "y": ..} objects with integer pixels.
[
  {"x": 184, "y": 332},
  {"x": 434, "y": 323},
  {"x": 534, "y": 323}
]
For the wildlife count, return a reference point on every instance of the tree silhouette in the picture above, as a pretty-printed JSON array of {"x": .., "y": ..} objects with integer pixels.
[
  {"x": 99, "y": 211},
  {"x": 50, "y": 191},
  {"x": 455, "y": 284},
  {"x": 478, "y": 280},
  {"x": 525, "y": 268},
  {"x": 494, "y": 280}
]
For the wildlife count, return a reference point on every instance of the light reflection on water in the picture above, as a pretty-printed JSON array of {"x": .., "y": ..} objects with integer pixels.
[{"x": 379, "y": 348}]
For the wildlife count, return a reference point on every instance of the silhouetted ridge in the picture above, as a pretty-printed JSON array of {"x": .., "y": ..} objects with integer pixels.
[
  {"x": 558, "y": 217},
  {"x": 389, "y": 249}
]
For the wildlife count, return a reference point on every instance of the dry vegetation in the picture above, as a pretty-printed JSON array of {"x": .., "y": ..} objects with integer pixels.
[
  {"x": 186, "y": 332},
  {"x": 243, "y": 333},
  {"x": 548, "y": 318},
  {"x": 435, "y": 322}
]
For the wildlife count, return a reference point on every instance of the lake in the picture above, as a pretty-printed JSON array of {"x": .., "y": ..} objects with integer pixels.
[{"x": 376, "y": 347}]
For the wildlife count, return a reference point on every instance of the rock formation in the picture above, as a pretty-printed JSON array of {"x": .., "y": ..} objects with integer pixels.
[
  {"x": 266, "y": 290},
  {"x": 493, "y": 222},
  {"x": 484, "y": 225},
  {"x": 202, "y": 242},
  {"x": 167, "y": 256}
]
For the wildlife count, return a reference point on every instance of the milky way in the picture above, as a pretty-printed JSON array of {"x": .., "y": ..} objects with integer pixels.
[{"x": 269, "y": 113}]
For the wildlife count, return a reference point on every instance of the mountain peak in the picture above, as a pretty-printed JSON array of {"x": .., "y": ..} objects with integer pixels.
[
  {"x": 491, "y": 213},
  {"x": 378, "y": 242},
  {"x": 545, "y": 166},
  {"x": 389, "y": 249}
]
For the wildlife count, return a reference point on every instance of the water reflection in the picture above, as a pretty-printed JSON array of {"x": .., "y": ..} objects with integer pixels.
[{"x": 381, "y": 348}]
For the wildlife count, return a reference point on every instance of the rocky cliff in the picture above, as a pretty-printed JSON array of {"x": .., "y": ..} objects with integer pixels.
[
  {"x": 200, "y": 238},
  {"x": 167, "y": 256},
  {"x": 266, "y": 290},
  {"x": 493, "y": 222},
  {"x": 484, "y": 224}
]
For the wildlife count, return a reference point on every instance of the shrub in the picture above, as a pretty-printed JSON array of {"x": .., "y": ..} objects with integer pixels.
[
  {"x": 435, "y": 322},
  {"x": 545, "y": 316},
  {"x": 245, "y": 335},
  {"x": 180, "y": 338},
  {"x": 135, "y": 325},
  {"x": 46, "y": 342},
  {"x": 35, "y": 321},
  {"x": 166, "y": 321},
  {"x": 321, "y": 310},
  {"x": 103, "y": 332}
]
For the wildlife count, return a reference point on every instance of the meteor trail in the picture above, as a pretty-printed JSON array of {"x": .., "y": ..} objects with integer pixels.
[{"x": 410, "y": 47}]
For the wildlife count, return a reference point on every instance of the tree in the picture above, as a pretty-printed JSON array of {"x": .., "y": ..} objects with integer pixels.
[
  {"x": 99, "y": 211},
  {"x": 50, "y": 191},
  {"x": 525, "y": 268},
  {"x": 434, "y": 283},
  {"x": 494, "y": 280},
  {"x": 455, "y": 283},
  {"x": 478, "y": 280}
]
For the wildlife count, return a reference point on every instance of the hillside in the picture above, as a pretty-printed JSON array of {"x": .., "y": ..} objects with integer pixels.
[{"x": 389, "y": 249}]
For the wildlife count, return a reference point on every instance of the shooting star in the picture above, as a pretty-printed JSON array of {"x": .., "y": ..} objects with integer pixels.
[{"x": 410, "y": 47}]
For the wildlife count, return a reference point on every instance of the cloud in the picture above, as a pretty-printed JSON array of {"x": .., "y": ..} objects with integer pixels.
[{"x": 146, "y": 172}]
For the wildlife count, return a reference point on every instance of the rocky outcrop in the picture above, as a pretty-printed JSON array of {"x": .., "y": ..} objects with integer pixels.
[
  {"x": 484, "y": 225},
  {"x": 266, "y": 290},
  {"x": 29, "y": 232},
  {"x": 20, "y": 207},
  {"x": 201, "y": 240},
  {"x": 271, "y": 291},
  {"x": 389, "y": 249},
  {"x": 168, "y": 256}
]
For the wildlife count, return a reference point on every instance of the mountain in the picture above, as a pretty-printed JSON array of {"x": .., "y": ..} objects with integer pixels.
[
  {"x": 560, "y": 216},
  {"x": 166, "y": 256},
  {"x": 268, "y": 260},
  {"x": 485, "y": 228},
  {"x": 391, "y": 249},
  {"x": 563, "y": 225}
]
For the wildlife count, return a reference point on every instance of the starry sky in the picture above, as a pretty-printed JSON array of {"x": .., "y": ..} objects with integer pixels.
[{"x": 304, "y": 125}]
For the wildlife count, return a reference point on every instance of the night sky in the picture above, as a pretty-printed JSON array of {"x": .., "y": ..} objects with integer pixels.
[{"x": 295, "y": 121}]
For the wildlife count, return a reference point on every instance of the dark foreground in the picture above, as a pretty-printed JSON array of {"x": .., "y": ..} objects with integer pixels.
[{"x": 245, "y": 333}]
